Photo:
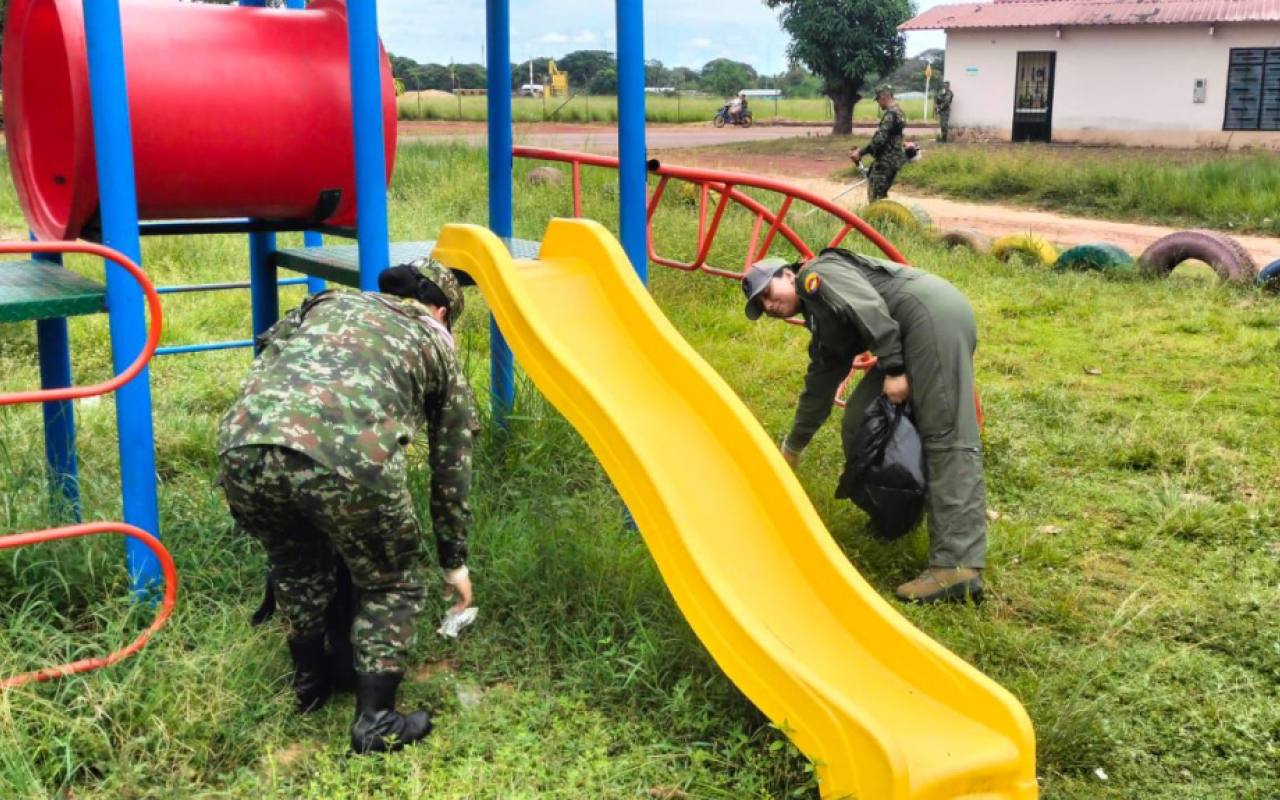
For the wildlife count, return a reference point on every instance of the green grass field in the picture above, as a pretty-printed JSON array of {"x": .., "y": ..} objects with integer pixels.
[
  {"x": 581, "y": 108},
  {"x": 1134, "y": 562},
  {"x": 1230, "y": 191}
]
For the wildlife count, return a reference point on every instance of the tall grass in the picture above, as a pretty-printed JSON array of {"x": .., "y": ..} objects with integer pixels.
[
  {"x": 1239, "y": 191},
  {"x": 668, "y": 110},
  {"x": 1133, "y": 562}
]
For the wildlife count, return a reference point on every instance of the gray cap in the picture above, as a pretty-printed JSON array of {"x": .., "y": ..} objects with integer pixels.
[{"x": 756, "y": 280}]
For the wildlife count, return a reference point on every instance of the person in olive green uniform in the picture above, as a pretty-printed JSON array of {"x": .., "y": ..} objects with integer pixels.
[
  {"x": 923, "y": 333},
  {"x": 314, "y": 467},
  {"x": 886, "y": 146},
  {"x": 943, "y": 102}
]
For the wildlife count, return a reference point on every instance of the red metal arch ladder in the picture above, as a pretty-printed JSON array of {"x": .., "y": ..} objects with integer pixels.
[
  {"x": 727, "y": 185},
  {"x": 93, "y": 528}
]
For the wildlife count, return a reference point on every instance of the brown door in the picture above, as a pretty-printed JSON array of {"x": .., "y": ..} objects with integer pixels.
[{"x": 1033, "y": 97}]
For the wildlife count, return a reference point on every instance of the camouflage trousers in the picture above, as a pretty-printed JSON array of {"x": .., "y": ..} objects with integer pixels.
[
  {"x": 302, "y": 513},
  {"x": 880, "y": 178},
  {"x": 944, "y": 122}
]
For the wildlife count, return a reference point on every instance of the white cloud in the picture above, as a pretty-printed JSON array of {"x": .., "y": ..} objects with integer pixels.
[
  {"x": 586, "y": 37},
  {"x": 553, "y": 38},
  {"x": 701, "y": 43},
  {"x": 753, "y": 59},
  {"x": 611, "y": 34}
]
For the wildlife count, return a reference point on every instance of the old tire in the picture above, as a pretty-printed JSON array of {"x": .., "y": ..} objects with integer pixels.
[
  {"x": 966, "y": 237},
  {"x": 1025, "y": 244},
  {"x": 1095, "y": 257},
  {"x": 1269, "y": 279},
  {"x": 1227, "y": 256},
  {"x": 891, "y": 213}
]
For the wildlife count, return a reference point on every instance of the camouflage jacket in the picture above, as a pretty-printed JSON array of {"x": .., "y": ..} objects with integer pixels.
[
  {"x": 944, "y": 99},
  {"x": 348, "y": 379},
  {"x": 886, "y": 144}
]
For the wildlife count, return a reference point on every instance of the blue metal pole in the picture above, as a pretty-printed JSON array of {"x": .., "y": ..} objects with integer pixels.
[
  {"x": 119, "y": 208},
  {"x": 54, "y": 343},
  {"x": 310, "y": 238},
  {"x": 633, "y": 174},
  {"x": 371, "y": 161},
  {"x": 265, "y": 295},
  {"x": 502, "y": 387},
  {"x": 315, "y": 285},
  {"x": 263, "y": 289},
  {"x": 202, "y": 348}
]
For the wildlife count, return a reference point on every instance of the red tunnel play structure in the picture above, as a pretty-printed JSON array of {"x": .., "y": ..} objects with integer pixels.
[{"x": 236, "y": 112}]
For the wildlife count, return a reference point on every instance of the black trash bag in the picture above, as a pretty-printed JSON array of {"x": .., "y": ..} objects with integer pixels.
[{"x": 884, "y": 475}]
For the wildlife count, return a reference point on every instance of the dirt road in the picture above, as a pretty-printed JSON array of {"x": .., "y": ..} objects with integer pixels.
[
  {"x": 993, "y": 220},
  {"x": 603, "y": 139}
]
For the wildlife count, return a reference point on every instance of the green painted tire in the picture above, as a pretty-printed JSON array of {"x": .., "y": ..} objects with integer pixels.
[{"x": 1095, "y": 257}]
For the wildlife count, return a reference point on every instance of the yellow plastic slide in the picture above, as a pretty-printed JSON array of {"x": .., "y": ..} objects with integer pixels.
[{"x": 884, "y": 712}]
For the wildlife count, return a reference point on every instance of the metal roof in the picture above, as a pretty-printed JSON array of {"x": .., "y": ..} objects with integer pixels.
[{"x": 1042, "y": 13}]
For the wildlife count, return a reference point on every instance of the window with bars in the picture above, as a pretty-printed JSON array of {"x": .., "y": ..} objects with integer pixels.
[{"x": 1253, "y": 90}]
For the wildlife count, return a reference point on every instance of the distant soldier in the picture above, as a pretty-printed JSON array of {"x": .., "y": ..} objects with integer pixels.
[
  {"x": 314, "y": 467},
  {"x": 886, "y": 146},
  {"x": 943, "y": 101}
]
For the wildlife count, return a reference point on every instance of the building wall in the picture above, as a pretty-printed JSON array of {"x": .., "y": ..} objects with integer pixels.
[{"x": 1121, "y": 84}]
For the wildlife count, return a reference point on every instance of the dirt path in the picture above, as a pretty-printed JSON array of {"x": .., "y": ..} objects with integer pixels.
[{"x": 993, "y": 220}]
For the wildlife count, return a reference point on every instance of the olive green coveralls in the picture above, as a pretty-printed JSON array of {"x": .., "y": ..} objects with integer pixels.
[{"x": 916, "y": 323}]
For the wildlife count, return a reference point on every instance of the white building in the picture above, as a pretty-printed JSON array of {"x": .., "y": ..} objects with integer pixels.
[{"x": 1179, "y": 73}]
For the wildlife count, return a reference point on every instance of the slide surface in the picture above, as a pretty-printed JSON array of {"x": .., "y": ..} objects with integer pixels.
[{"x": 883, "y": 711}]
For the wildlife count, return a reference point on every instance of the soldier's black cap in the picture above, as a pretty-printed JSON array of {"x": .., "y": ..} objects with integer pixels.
[{"x": 756, "y": 280}]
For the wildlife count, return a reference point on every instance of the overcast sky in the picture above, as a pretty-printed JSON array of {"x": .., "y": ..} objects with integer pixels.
[{"x": 677, "y": 32}]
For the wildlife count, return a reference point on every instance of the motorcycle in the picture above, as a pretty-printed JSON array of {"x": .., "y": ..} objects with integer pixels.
[{"x": 724, "y": 117}]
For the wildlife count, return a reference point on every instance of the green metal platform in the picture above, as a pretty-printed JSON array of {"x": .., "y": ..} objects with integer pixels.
[
  {"x": 341, "y": 263},
  {"x": 34, "y": 290}
]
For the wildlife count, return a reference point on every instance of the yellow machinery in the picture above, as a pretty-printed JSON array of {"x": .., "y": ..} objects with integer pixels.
[
  {"x": 883, "y": 711},
  {"x": 559, "y": 80}
]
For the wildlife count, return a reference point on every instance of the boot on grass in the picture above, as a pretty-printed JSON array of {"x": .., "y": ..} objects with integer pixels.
[
  {"x": 943, "y": 584},
  {"x": 379, "y": 728},
  {"x": 310, "y": 674}
]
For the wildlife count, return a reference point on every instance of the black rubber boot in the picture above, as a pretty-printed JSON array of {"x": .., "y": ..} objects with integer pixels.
[
  {"x": 338, "y": 624},
  {"x": 310, "y": 674},
  {"x": 379, "y": 728}
]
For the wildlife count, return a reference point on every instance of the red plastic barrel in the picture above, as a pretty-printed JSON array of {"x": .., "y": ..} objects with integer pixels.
[{"x": 236, "y": 112}]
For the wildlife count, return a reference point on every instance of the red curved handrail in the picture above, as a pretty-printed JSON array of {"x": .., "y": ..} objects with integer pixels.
[
  {"x": 87, "y": 529},
  {"x": 153, "y": 332},
  {"x": 725, "y": 183}
]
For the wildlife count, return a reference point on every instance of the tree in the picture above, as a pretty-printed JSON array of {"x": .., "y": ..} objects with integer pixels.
[
  {"x": 726, "y": 77},
  {"x": 657, "y": 76},
  {"x": 605, "y": 81},
  {"x": 582, "y": 65},
  {"x": 685, "y": 78},
  {"x": 798, "y": 82},
  {"x": 843, "y": 42}
]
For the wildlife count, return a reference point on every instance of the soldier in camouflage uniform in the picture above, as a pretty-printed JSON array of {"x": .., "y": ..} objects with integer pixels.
[
  {"x": 314, "y": 467},
  {"x": 923, "y": 333},
  {"x": 943, "y": 102},
  {"x": 886, "y": 145}
]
